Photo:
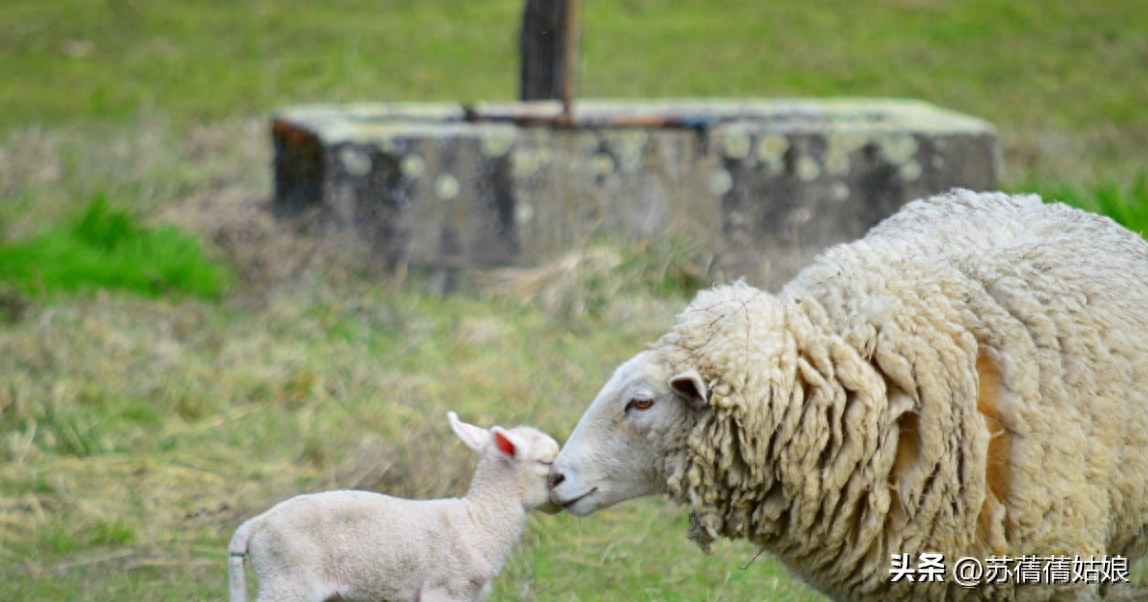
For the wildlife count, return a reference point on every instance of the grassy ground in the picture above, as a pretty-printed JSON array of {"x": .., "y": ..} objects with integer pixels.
[
  {"x": 139, "y": 433},
  {"x": 136, "y": 432}
]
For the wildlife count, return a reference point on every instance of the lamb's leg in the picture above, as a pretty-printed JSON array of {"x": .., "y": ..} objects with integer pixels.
[
  {"x": 284, "y": 572},
  {"x": 443, "y": 594},
  {"x": 237, "y": 578},
  {"x": 290, "y": 591},
  {"x": 438, "y": 594}
]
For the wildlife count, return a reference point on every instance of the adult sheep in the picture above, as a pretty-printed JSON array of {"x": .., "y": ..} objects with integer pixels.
[{"x": 969, "y": 379}]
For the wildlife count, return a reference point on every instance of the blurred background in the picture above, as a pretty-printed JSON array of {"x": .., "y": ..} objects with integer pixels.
[{"x": 172, "y": 362}]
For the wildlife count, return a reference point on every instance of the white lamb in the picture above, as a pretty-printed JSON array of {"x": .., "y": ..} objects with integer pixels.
[{"x": 363, "y": 546}]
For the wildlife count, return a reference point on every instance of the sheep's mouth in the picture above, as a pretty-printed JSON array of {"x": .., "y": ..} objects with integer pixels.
[{"x": 567, "y": 505}]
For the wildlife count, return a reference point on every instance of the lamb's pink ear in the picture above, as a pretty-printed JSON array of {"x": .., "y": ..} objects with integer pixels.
[
  {"x": 509, "y": 444},
  {"x": 474, "y": 437},
  {"x": 690, "y": 386}
]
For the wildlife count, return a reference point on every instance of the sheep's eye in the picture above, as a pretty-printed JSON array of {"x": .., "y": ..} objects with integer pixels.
[{"x": 639, "y": 404}]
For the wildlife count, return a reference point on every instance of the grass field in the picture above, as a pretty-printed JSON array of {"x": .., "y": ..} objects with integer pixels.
[{"x": 137, "y": 430}]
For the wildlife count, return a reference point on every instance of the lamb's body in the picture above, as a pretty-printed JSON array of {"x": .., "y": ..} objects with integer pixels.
[
  {"x": 367, "y": 547},
  {"x": 969, "y": 379},
  {"x": 395, "y": 549}
]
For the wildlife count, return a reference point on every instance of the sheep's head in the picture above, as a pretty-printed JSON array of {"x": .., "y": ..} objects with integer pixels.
[
  {"x": 618, "y": 450},
  {"x": 527, "y": 451},
  {"x": 726, "y": 361}
]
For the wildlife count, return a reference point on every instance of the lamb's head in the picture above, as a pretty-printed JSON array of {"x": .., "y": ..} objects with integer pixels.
[
  {"x": 523, "y": 454},
  {"x": 618, "y": 449}
]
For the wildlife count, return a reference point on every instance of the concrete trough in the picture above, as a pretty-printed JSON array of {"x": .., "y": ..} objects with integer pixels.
[{"x": 763, "y": 184}]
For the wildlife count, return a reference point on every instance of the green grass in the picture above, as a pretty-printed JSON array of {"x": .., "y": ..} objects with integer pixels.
[
  {"x": 1065, "y": 80},
  {"x": 107, "y": 248},
  {"x": 1048, "y": 64},
  {"x": 209, "y": 59},
  {"x": 142, "y": 419}
]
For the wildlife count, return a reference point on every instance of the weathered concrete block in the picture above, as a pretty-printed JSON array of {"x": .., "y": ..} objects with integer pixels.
[{"x": 764, "y": 184}]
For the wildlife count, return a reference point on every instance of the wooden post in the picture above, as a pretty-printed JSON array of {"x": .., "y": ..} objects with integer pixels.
[{"x": 549, "y": 44}]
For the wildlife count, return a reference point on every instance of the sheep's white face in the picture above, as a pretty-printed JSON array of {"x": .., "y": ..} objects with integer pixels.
[{"x": 616, "y": 451}]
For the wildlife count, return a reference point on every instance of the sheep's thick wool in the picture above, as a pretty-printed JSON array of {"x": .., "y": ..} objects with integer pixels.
[{"x": 969, "y": 379}]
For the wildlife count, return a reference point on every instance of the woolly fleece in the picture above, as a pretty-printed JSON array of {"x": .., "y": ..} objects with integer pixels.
[{"x": 971, "y": 379}]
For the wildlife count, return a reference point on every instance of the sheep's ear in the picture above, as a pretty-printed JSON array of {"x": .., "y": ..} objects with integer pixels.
[
  {"x": 691, "y": 387},
  {"x": 509, "y": 444},
  {"x": 474, "y": 437}
]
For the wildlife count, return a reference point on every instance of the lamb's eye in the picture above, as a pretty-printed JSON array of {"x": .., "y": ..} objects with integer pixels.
[{"x": 639, "y": 404}]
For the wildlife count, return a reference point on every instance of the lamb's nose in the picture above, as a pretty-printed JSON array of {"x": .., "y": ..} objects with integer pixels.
[{"x": 556, "y": 479}]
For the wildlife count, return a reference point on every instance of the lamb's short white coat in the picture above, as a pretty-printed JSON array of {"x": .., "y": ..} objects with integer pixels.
[
  {"x": 368, "y": 547},
  {"x": 970, "y": 379}
]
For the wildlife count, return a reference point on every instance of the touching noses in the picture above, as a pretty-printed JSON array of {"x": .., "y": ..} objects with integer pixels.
[{"x": 556, "y": 479}]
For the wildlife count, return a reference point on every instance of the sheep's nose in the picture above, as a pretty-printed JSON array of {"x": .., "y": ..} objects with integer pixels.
[{"x": 556, "y": 479}]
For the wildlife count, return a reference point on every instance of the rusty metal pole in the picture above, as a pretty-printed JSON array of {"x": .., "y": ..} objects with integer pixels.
[
  {"x": 549, "y": 52},
  {"x": 570, "y": 39}
]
